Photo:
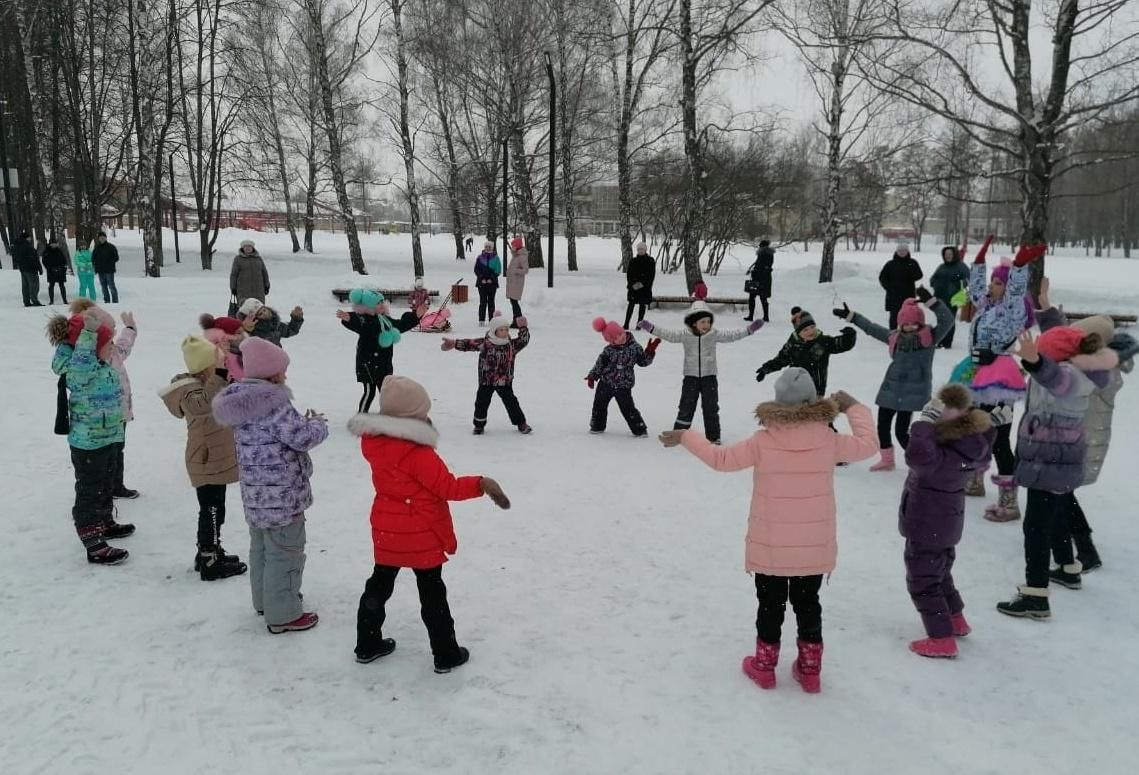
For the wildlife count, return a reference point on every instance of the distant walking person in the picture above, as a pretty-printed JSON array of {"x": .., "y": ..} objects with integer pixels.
[
  {"x": 469, "y": 243},
  {"x": 759, "y": 283},
  {"x": 248, "y": 277},
  {"x": 28, "y": 262},
  {"x": 55, "y": 263},
  {"x": 104, "y": 258}
]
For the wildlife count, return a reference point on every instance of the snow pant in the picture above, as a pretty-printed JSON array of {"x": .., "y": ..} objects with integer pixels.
[
  {"x": 87, "y": 284},
  {"x": 276, "y": 569},
  {"x": 1002, "y": 445},
  {"x": 947, "y": 342},
  {"x": 107, "y": 283},
  {"x": 901, "y": 423},
  {"x": 211, "y": 515},
  {"x": 1046, "y": 535},
  {"x": 120, "y": 462},
  {"x": 433, "y": 609},
  {"x": 486, "y": 302},
  {"x": 94, "y": 472},
  {"x": 515, "y": 310},
  {"x": 706, "y": 390},
  {"x": 751, "y": 306},
  {"x": 30, "y": 287},
  {"x": 51, "y": 284},
  {"x": 629, "y": 313},
  {"x": 773, "y": 593},
  {"x": 603, "y": 394},
  {"x": 1080, "y": 529},
  {"x": 509, "y": 400},
  {"x": 929, "y": 580}
]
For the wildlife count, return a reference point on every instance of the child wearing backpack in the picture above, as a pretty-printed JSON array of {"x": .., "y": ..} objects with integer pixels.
[
  {"x": 612, "y": 376},
  {"x": 700, "y": 384},
  {"x": 377, "y": 333},
  {"x": 791, "y": 536},
  {"x": 497, "y": 351},
  {"x": 411, "y": 519}
]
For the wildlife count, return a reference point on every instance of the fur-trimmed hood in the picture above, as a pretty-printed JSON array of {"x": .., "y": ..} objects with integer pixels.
[
  {"x": 249, "y": 400},
  {"x": 974, "y": 423},
  {"x": 771, "y": 413},
  {"x": 406, "y": 428}
]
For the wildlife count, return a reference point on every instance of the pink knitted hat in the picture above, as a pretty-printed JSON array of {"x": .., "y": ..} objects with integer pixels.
[
  {"x": 262, "y": 359},
  {"x": 910, "y": 314},
  {"x": 611, "y": 331}
]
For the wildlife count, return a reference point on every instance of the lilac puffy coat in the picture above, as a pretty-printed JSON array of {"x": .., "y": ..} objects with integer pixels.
[{"x": 273, "y": 440}]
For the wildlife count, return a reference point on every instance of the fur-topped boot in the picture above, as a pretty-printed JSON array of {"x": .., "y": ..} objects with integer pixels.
[{"x": 1006, "y": 509}]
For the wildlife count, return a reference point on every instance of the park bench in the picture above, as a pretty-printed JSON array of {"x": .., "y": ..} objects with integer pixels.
[
  {"x": 687, "y": 301},
  {"x": 1119, "y": 320},
  {"x": 389, "y": 293}
]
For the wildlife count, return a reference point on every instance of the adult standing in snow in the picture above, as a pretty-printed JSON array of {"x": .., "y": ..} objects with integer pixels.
[
  {"x": 104, "y": 258},
  {"x": 55, "y": 263},
  {"x": 639, "y": 283},
  {"x": 899, "y": 279},
  {"x": 26, "y": 259},
  {"x": 947, "y": 281},
  {"x": 487, "y": 268},
  {"x": 516, "y": 278},
  {"x": 248, "y": 277},
  {"x": 759, "y": 283}
]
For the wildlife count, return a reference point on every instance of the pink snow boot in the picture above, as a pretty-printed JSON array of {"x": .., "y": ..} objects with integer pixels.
[
  {"x": 1006, "y": 509},
  {"x": 945, "y": 648},
  {"x": 887, "y": 461},
  {"x": 961, "y": 627},
  {"x": 807, "y": 667},
  {"x": 761, "y": 667}
]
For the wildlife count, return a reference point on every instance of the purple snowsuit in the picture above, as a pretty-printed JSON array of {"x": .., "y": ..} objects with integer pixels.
[
  {"x": 613, "y": 373},
  {"x": 273, "y": 440},
  {"x": 941, "y": 456}
]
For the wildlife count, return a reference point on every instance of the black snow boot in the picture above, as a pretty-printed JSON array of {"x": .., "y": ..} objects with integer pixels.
[
  {"x": 381, "y": 649},
  {"x": 1086, "y": 553},
  {"x": 448, "y": 663},
  {"x": 125, "y": 493},
  {"x": 213, "y": 566},
  {"x": 102, "y": 554},
  {"x": 1029, "y": 603},
  {"x": 114, "y": 529},
  {"x": 1066, "y": 576}
]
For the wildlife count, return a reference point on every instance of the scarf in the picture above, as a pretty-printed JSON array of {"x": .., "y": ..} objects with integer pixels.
[{"x": 907, "y": 341}]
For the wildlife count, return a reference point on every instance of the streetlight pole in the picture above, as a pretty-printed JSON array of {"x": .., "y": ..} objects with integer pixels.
[
  {"x": 553, "y": 164},
  {"x": 505, "y": 183},
  {"x": 7, "y": 182}
]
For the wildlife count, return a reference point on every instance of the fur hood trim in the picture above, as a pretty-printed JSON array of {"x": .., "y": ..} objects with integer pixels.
[
  {"x": 771, "y": 413},
  {"x": 962, "y": 427},
  {"x": 178, "y": 383},
  {"x": 406, "y": 428},
  {"x": 249, "y": 400}
]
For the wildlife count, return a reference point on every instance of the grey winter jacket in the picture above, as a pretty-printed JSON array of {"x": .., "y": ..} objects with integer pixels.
[
  {"x": 908, "y": 383},
  {"x": 248, "y": 277},
  {"x": 699, "y": 351}
]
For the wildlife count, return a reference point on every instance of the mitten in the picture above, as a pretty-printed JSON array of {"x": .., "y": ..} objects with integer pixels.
[
  {"x": 645, "y": 325},
  {"x": 90, "y": 322},
  {"x": 923, "y": 294},
  {"x": 1029, "y": 254},
  {"x": 652, "y": 346},
  {"x": 842, "y": 312},
  {"x": 759, "y": 375},
  {"x": 590, "y": 382},
  {"x": 448, "y": 344},
  {"x": 931, "y": 412},
  {"x": 493, "y": 491},
  {"x": 521, "y": 322},
  {"x": 754, "y": 326},
  {"x": 1002, "y": 415},
  {"x": 980, "y": 259}
]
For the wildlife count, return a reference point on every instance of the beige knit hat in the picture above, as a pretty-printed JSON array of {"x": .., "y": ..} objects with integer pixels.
[{"x": 403, "y": 397}]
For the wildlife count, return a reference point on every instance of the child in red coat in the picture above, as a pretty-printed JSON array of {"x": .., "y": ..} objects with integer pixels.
[{"x": 411, "y": 521}]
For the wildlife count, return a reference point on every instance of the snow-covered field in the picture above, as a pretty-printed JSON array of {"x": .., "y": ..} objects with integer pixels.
[{"x": 606, "y": 613}]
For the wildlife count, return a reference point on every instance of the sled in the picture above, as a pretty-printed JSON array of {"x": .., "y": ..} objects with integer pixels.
[{"x": 437, "y": 322}]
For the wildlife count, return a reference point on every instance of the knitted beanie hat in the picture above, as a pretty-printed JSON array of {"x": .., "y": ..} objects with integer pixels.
[
  {"x": 610, "y": 331},
  {"x": 795, "y": 387},
  {"x": 247, "y": 243},
  {"x": 801, "y": 319},
  {"x": 365, "y": 297},
  {"x": 911, "y": 314},
  {"x": 250, "y": 306},
  {"x": 403, "y": 397},
  {"x": 699, "y": 308},
  {"x": 261, "y": 359},
  {"x": 199, "y": 354},
  {"x": 517, "y": 244},
  {"x": 498, "y": 321},
  {"x": 1061, "y": 343}
]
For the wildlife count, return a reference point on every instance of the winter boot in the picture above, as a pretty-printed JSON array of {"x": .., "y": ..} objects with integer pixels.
[
  {"x": 305, "y": 621},
  {"x": 479, "y": 430},
  {"x": 525, "y": 429},
  {"x": 214, "y": 565},
  {"x": 447, "y": 664},
  {"x": 887, "y": 461},
  {"x": 761, "y": 667},
  {"x": 1006, "y": 508},
  {"x": 102, "y": 554},
  {"x": 1029, "y": 603},
  {"x": 807, "y": 667},
  {"x": 975, "y": 485},
  {"x": 219, "y": 551},
  {"x": 961, "y": 627},
  {"x": 125, "y": 493},
  {"x": 1086, "y": 553},
  {"x": 382, "y": 649},
  {"x": 1067, "y": 575},
  {"x": 113, "y": 529},
  {"x": 944, "y": 648}
]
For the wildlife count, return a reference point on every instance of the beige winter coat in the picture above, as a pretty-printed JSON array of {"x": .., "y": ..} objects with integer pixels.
[
  {"x": 211, "y": 456},
  {"x": 516, "y": 275}
]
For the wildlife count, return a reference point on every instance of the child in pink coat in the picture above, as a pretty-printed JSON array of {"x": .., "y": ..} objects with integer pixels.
[{"x": 791, "y": 541}]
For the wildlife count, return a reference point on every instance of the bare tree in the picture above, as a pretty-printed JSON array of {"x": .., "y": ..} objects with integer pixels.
[{"x": 144, "y": 35}]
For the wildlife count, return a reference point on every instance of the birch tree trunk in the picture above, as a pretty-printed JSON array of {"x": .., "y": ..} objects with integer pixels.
[
  {"x": 834, "y": 168},
  {"x": 143, "y": 24},
  {"x": 407, "y": 146},
  {"x": 696, "y": 192},
  {"x": 453, "y": 173},
  {"x": 273, "y": 120}
]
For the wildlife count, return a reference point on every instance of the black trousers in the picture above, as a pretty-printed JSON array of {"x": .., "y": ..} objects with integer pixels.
[
  {"x": 1002, "y": 446},
  {"x": 894, "y": 319},
  {"x": 773, "y": 593},
  {"x": 119, "y": 463},
  {"x": 30, "y": 287},
  {"x": 211, "y": 515},
  {"x": 901, "y": 423},
  {"x": 94, "y": 483},
  {"x": 110, "y": 290},
  {"x": 433, "y": 609},
  {"x": 486, "y": 302},
  {"x": 368, "y": 397},
  {"x": 629, "y": 313},
  {"x": 51, "y": 290},
  {"x": 1077, "y": 520},
  {"x": 509, "y": 400},
  {"x": 947, "y": 342},
  {"x": 1046, "y": 535},
  {"x": 603, "y": 394},
  {"x": 706, "y": 390},
  {"x": 751, "y": 306},
  {"x": 516, "y": 309}
]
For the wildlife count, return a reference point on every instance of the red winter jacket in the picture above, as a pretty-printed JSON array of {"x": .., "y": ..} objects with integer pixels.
[{"x": 411, "y": 521}]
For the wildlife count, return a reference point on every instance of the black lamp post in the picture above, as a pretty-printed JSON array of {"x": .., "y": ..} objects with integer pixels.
[
  {"x": 174, "y": 214},
  {"x": 505, "y": 181},
  {"x": 553, "y": 164}
]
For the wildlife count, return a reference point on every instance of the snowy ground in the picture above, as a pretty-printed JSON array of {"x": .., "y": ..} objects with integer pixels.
[{"x": 606, "y": 614}]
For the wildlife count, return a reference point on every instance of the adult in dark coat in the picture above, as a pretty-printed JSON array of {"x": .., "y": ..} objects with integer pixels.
[
  {"x": 248, "y": 277},
  {"x": 55, "y": 263},
  {"x": 104, "y": 258},
  {"x": 899, "y": 279},
  {"x": 639, "y": 283},
  {"x": 26, "y": 259},
  {"x": 948, "y": 442},
  {"x": 946, "y": 281},
  {"x": 760, "y": 280}
]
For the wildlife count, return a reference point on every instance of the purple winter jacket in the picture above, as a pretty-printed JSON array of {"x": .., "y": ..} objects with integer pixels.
[
  {"x": 941, "y": 456},
  {"x": 615, "y": 365},
  {"x": 273, "y": 440}
]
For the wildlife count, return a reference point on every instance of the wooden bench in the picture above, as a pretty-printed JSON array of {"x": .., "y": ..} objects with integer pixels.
[
  {"x": 389, "y": 293},
  {"x": 687, "y": 301},
  {"x": 1119, "y": 320}
]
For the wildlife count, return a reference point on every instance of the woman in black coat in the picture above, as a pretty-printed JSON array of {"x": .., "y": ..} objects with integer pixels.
[
  {"x": 639, "y": 283},
  {"x": 55, "y": 263},
  {"x": 760, "y": 281},
  {"x": 899, "y": 278}
]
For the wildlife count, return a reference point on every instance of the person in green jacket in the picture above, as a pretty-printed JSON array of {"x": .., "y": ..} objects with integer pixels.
[
  {"x": 95, "y": 412},
  {"x": 85, "y": 271}
]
